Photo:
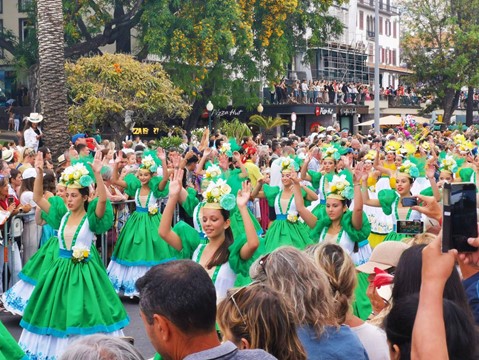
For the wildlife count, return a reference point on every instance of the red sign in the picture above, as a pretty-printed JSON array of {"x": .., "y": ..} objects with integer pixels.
[
  {"x": 317, "y": 111},
  {"x": 205, "y": 114}
]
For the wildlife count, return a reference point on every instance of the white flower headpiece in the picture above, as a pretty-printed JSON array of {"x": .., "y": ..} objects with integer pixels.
[
  {"x": 218, "y": 195},
  {"x": 212, "y": 172},
  {"x": 76, "y": 176},
  {"x": 340, "y": 188}
]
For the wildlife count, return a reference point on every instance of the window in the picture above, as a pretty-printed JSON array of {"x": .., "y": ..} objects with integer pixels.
[
  {"x": 381, "y": 59},
  {"x": 380, "y": 4},
  {"x": 361, "y": 20},
  {"x": 380, "y": 25},
  {"x": 371, "y": 53},
  {"x": 1, "y": 9},
  {"x": 24, "y": 5},
  {"x": 371, "y": 2},
  {"x": 24, "y": 27},
  {"x": 387, "y": 28},
  {"x": 394, "y": 57},
  {"x": 394, "y": 29}
]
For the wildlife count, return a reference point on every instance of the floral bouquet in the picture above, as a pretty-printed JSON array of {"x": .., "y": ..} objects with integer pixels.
[
  {"x": 292, "y": 216},
  {"x": 80, "y": 254},
  {"x": 153, "y": 209}
]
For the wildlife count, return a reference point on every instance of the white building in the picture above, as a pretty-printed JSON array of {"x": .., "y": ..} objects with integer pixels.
[{"x": 350, "y": 57}]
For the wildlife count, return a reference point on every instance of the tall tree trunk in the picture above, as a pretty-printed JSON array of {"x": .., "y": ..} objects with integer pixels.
[
  {"x": 449, "y": 104},
  {"x": 51, "y": 80},
  {"x": 470, "y": 104}
]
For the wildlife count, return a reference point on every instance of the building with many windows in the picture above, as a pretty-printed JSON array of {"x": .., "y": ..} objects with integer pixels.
[{"x": 351, "y": 56}]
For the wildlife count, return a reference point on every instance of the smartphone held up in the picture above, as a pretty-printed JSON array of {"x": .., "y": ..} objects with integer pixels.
[{"x": 459, "y": 216}]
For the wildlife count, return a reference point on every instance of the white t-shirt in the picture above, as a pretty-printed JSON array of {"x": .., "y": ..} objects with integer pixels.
[{"x": 374, "y": 341}]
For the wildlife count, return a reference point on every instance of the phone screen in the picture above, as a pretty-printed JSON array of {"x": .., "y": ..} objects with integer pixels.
[
  {"x": 459, "y": 217},
  {"x": 409, "y": 201},
  {"x": 409, "y": 227}
]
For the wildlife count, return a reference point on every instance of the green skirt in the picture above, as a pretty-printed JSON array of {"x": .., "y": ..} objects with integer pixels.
[
  {"x": 9, "y": 349},
  {"x": 74, "y": 299},
  {"x": 285, "y": 233}
]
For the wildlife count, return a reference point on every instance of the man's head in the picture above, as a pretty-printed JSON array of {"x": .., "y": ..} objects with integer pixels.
[
  {"x": 177, "y": 301},
  {"x": 79, "y": 139}
]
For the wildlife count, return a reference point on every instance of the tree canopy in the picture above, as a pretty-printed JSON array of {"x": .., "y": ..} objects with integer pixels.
[
  {"x": 440, "y": 46},
  {"x": 103, "y": 88}
]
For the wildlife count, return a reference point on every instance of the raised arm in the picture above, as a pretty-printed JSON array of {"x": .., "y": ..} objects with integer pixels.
[
  {"x": 252, "y": 241},
  {"x": 96, "y": 166},
  {"x": 115, "y": 179},
  {"x": 258, "y": 190},
  {"x": 165, "y": 231},
  {"x": 41, "y": 202},
  {"x": 357, "y": 218},
  {"x": 162, "y": 156},
  {"x": 310, "y": 194},
  {"x": 201, "y": 164},
  {"x": 307, "y": 216},
  {"x": 237, "y": 158},
  {"x": 365, "y": 194},
  {"x": 304, "y": 168},
  {"x": 430, "y": 170}
]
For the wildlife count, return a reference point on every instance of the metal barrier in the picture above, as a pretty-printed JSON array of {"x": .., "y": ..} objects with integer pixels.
[
  {"x": 8, "y": 248},
  {"x": 106, "y": 239}
]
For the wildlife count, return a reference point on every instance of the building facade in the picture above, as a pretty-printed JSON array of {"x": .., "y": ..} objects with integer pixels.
[{"x": 351, "y": 57}]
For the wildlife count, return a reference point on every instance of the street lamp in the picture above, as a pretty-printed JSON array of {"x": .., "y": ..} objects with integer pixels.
[
  {"x": 293, "y": 121},
  {"x": 209, "y": 108},
  {"x": 260, "y": 108}
]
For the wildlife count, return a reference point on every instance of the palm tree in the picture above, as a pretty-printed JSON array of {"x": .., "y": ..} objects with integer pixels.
[
  {"x": 267, "y": 124},
  {"x": 51, "y": 73}
]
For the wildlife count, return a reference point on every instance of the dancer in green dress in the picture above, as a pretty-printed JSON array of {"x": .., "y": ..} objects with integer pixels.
[
  {"x": 337, "y": 224},
  {"x": 226, "y": 259},
  {"x": 75, "y": 297},
  {"x": 139, "y": 247},
  {"x": 286, "y": 230}
]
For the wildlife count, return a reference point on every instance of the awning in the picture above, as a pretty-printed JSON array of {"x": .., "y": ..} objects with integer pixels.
[{"x": 387, "y": 120}]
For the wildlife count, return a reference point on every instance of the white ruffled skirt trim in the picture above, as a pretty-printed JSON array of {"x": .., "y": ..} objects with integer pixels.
[
  {"x": 123, "y": 278},
  {"x": 47, "y": 347},
  {"x": 16, "y": 298}
]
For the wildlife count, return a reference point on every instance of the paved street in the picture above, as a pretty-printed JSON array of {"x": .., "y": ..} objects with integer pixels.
[{"x": 135, "y": 329}]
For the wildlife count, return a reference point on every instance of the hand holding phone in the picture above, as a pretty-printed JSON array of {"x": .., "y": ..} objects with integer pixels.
[
  {"x": 409, "y": 201},
  {"x": 459, "y": 217}
]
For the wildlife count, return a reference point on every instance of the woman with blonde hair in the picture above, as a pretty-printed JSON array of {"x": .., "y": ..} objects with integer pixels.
[
  {"x": 341, "y": 273},
  {"x": 305, "y": 288},
  {"x": 256, "y": 317}
]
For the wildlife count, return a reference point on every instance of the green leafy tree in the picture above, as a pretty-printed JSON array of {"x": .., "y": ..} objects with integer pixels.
[
  {"x": 235, "y": 129},
  {"x": 440, "y": 46},
  {"x": 207, "y": 45},
  {"x": 267, "y": 123},
  {"x": 103, "y": 88}
]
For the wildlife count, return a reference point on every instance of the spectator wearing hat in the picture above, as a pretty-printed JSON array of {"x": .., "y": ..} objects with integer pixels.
[
  {"x": 78, "y": 139},
  {"x": 33, "y": 134}
]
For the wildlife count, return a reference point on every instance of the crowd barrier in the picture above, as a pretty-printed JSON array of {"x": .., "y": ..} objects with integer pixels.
[{"x": 10, "y": 250}]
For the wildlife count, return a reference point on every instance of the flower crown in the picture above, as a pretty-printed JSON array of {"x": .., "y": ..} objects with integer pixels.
[
  {"x": 212, "y": 172},
  {"x": 226, "y": 149},
  {"x": 218, "y": 196},
  {"x": 148, "y": 163},
  {"x": 448, "y": 164},
  {"x": 371, "y": 155},
  {"x": 76, "y": 176},
  {"x": 392, "y": 146},
  {"x": 465, "y": 146},
  {"x": 331, "y": 152},
  {"x": 425, "y": 145},
  {"x": 288, "y": 164},
  {"x": 340, "y": 188},
  {"x": 459, "y": 139},
  {"x": 406, "y": 149},
  {"x": 409, "y": 168}
]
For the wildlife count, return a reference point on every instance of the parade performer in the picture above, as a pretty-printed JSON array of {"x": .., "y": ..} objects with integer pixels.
[
  {"x": 9, "y": 349},
  {"x": 226, "y": 259},
  {"x": 391, "y": 200},
  {"x": 139, "y": 247},
  {"x": 286, "y": 229},
  {"x": 74, "y": 298},
  {"x": 16, "y": 298},
  {"x": 337, "y": 224}
]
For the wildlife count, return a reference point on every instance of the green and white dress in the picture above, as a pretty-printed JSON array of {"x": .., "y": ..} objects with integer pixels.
[
  {"x": 283, "y": 232},
  {"x": 389, "y": 200},
  {"x": 139, "y": 247},
  {"x": 9, "y": 349},
  {"x": 72, "y": 299},
  {"x": 233, "y": 273},
  {"x": 16, "y": 298},
  {"x": 356, "y": 244}
]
